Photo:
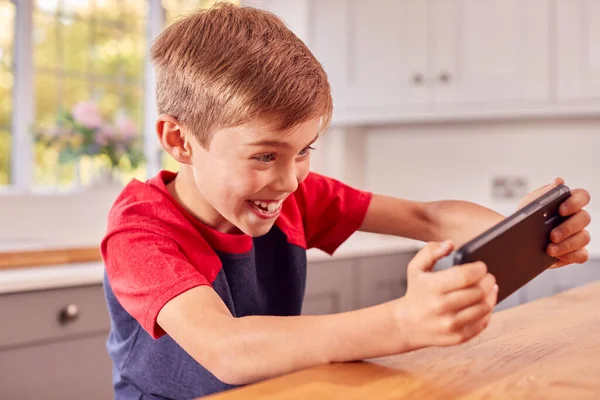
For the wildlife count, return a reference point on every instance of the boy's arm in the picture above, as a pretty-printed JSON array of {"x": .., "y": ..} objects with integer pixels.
[
  {"x": 456, "y": 220},
  {"x": 461, "y": 221},
  {"x": 439, "y": 309},
  {"x": 247, "y": 349}
]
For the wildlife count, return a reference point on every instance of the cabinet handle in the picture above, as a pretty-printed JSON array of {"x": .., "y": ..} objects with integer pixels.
[
  {"x": 445, "y": 77},
  {"x": 68, "y": 314},
  {"x": 418, "y": 78}
]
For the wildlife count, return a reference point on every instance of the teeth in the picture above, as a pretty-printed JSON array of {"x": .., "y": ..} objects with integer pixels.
[{"x": 270, "y": 207}]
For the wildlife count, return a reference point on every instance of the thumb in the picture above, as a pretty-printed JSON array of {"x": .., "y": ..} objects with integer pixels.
[{"x": 426, "y": 258}]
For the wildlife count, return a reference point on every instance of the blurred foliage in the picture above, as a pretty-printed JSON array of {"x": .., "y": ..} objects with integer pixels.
[{"x": 82, "y": 49}]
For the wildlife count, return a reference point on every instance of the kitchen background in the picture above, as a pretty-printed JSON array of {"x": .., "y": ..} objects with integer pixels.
[{"x": 481, "y": 100}]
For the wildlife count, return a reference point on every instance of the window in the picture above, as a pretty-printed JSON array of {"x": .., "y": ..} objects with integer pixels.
[
  {"x": 76, "y": 50},
  {"x": 86, "y": 50},
  {"x": 7, "y": 19}
]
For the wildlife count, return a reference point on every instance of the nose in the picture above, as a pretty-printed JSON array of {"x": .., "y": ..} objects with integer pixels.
[{"x": 286, "y": 180}]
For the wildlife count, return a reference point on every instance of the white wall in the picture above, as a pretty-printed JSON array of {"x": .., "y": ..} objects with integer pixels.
[
  {"x": 459, "y": 160},
  {"x": 33, "y": 220},
  {"x": 419, "y": 161}
]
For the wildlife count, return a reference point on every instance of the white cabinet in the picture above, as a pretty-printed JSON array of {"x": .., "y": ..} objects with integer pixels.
[
  {"x": 388, "y": 58},
  {"x": 577, "y": 50},
  {"x": 374, "y": 52},
  {"x": 489, "y": 51}
]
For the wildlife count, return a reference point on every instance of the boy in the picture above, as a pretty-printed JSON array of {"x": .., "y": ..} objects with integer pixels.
[{"x": 205, "y": 269}]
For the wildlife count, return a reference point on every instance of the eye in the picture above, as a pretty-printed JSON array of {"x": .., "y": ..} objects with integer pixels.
[
  {"x": 265, "y": 158},
  {"x": 306, "y": 151}
]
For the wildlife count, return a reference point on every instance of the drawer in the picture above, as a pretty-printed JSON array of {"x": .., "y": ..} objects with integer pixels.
[
  {"x": 74, "y": 369},
  {"x": 52, "y": 314}
]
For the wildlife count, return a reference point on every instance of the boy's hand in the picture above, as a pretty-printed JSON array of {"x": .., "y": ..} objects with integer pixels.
[
  {"x": 446, "y": 307},
  {"x": 569, "y": 238}
]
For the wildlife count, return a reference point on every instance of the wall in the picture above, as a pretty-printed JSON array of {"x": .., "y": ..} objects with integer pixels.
[
  {"x": 434, "y": 161},
  {"x": 420, "y": 161}
]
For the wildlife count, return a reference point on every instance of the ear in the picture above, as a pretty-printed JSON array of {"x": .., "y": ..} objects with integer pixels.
[{"x": 173, "y": 139}]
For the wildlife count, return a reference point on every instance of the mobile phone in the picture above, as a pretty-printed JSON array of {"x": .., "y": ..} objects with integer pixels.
[{"x": 514, "y": 250}]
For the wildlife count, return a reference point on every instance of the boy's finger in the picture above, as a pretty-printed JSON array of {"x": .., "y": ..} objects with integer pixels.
[
  {"x": 471, "y": 315},
  {"x": 459, "y": 277},
  {"x": 474, "y": 329},
  {"x": 463, "y": 298},
  {"x": 426, "y": 258}
]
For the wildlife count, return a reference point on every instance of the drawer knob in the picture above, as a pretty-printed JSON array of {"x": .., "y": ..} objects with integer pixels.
[
  {"x": 418, "y": 78},
  {"x": 68, "y": 314},
  {"x": 445, "y": 77}
]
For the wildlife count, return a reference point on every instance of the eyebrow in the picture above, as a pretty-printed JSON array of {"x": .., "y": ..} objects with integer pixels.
[{"x": 277, "y": 143}]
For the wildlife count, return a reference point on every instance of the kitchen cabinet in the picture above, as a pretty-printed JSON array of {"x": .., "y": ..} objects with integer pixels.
[
  {"x": 389, "y": 58},
  {"x": 381, "y": 278},
  {"x": 489, "y": 51},
  {"x": 335, "y": 286},
  {"x": 329, "y": 287},
  {"x": 374, "y": 52},
  {"x": 554, "y": 281},
  {"x": 577, "y": 55},
  {"x": 52, "y": 344}
]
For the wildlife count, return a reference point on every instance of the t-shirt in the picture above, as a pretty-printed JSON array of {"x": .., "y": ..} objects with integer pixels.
[{"x": 155, "y": 250}]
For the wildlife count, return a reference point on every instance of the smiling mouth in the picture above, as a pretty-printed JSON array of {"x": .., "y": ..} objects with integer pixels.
[{"x": 266, "y": 208}]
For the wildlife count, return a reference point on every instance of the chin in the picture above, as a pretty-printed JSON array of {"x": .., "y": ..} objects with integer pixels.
[{"x": 256, "y": 230}]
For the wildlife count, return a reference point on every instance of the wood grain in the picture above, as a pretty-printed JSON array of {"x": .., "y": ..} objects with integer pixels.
[
  {"x": 47, "y": 257},
  {"x": 547, "y": 349}
]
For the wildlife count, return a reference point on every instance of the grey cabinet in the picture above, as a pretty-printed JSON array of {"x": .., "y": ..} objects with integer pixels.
[
  {"x": 52, "y": 345},
  {"x": 554, "y": 281},
  {"x": 381, "y": 278},
  {"x": 329, "y": 287},
  {"x": 348, "y": 284}
]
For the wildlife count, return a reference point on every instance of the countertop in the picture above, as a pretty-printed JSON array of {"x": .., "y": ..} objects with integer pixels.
[
  {"x": 85, "y": 273},
  {"x": 546, "y": 349}
]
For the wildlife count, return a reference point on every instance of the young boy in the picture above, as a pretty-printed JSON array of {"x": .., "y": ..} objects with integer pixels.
[{"x": 205, "y": 269}]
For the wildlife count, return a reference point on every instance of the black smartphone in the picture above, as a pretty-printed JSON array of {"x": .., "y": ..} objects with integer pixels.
[{"x": 514, "y": 250}]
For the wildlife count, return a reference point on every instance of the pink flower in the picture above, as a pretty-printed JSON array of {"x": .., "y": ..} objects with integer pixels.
[
  {"x": 126, "y": 127},
  {"x": 104, "y": 135},
  {"x": 87, "y": 115}
]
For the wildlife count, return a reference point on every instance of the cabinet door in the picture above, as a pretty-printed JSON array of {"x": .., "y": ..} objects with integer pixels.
[
  {"x": 68, "y": 370},
  {"x": 374, "y": 52},
  {"x": 518, "y": 297},
  {"x": 329, "y": 287},
  {"x": 382, "y": 278},
  {"x": 541, "y": 286},
  {"x": 575, "y": 275},
  {"x": 490, "y": 51},
  {"x": 577, "y": 49}
]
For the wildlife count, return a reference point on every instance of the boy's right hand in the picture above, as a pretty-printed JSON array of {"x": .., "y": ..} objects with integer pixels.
[{"x": 445, "y": 307}]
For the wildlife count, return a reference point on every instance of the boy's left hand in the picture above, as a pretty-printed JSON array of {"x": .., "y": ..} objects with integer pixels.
[{"x": 569, "y": 238}]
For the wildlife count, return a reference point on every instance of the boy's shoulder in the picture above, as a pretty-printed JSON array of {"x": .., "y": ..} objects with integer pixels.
[{"x": 144, "y": 201}]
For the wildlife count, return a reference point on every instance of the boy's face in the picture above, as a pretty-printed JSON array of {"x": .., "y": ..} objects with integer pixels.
[{"x": 248, "y": 171}]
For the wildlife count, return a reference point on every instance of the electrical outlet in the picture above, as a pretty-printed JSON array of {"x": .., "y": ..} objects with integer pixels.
[{"x": 509, "y": 187}]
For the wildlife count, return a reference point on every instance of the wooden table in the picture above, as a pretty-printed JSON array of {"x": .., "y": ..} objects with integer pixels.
[{"x": 547, "y": 349}]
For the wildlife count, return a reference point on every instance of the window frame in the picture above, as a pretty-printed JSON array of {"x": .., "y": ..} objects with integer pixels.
[{"x": 23, "y": 107}]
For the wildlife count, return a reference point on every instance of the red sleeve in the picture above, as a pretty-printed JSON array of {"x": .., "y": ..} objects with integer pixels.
[
  {"x": 146, "y": 270},
  {"x": 331, "y": 211}
]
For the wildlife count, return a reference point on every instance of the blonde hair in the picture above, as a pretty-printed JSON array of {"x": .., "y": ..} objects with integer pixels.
[{"x": 229, "y": 65}]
